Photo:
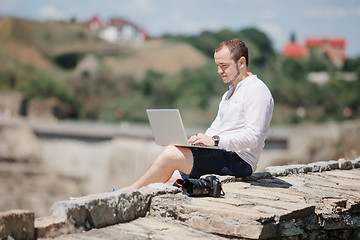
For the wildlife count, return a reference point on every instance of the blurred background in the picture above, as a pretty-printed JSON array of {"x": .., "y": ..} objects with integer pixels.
[{"x": 77, "y": 76}]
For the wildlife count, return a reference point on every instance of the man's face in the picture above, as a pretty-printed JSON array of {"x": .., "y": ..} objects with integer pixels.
[{"x": 227, "y": 68}]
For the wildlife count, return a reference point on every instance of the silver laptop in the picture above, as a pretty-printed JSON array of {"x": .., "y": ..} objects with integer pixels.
[{"x": 168, "y": 128}]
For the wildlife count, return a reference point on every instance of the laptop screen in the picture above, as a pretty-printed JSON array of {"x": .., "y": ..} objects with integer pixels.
[{"x": 167, "y": 126}]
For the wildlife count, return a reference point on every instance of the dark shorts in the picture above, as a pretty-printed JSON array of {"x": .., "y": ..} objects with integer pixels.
[{"x": 220, "y": 162}]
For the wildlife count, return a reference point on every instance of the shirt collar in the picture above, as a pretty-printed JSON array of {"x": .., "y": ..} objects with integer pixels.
[
  {"x": 231, "y": 89},
  {"x": 231, "y": 86},
  {"x": 244, "y": 81}
]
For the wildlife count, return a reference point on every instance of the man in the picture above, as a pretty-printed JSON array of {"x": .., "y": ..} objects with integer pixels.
[{"x": 240, "y": 127}]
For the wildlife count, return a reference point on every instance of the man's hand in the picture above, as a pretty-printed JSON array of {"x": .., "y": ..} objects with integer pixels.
[{"x": 201, "y": 138}]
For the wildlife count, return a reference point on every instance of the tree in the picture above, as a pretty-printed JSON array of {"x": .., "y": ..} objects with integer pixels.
[
  {"x": 263, "y": 44},
  {"x": 294, "y": 70},
  {"x": 260, "y": 47}
]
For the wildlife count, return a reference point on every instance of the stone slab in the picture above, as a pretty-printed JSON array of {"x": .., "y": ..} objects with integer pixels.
[
  {"x": 100, "y": 210},
  {"x": 293, "y": 206},
  {"x": 17, "y": 224},
  {"x": 353, "y": 205},
  {"x": 50, "y": 227},
  {"x": 233, "y": 228},
  {"x": 143, "y": 228},
  {"x": 345, "y": 164},
  {"x": 331, "y": 185},
  {"x": 321, "y": 166},
  {"x": 246, "y": 210},
  {"x": 271, "y": 193},
  {"x": 344, "y": 174}
]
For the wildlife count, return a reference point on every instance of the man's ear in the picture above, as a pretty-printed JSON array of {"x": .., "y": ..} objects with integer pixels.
[{"x": 242, "y": 61}]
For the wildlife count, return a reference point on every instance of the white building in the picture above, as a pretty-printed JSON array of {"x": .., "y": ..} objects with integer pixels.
[{"x": 117, "y": 30}]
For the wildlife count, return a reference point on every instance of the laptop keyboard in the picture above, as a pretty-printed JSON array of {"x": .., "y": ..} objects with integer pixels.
[{"x": 198, "y": 145}]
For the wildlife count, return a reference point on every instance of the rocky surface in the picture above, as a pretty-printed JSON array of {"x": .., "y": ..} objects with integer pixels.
[
  {"x": 36, "y": 171},
  {"x": 17, "y": 224},
  {"x": 314, "y": 201}
]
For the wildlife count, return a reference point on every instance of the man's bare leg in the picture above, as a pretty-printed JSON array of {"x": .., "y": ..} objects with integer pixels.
[
  {"x": 175, "y": 176},
  {"x": 171, "y": 159}
]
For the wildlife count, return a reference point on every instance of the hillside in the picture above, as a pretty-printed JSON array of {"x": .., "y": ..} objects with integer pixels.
[
  {"x": 158, "y": 55},
  {"x": 102, "y": 81},
  {"x": 69, "y": 62},
  {"x": 42, "y": 44},
  {"x": 50, "y": 38}
]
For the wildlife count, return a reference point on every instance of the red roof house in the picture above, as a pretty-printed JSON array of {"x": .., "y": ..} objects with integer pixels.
[
  {"x": 334, "y": 47},
  {"x": 93, "y": 23},
  {"x": 294, "y": 50},
  {"x": 337, "y": 42}
]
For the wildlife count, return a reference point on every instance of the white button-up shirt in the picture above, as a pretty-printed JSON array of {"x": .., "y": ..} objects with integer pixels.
[{"x": 243, "y": 119}]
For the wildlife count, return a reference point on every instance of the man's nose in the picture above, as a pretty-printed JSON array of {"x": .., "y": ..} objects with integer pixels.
[{"x": 220, "y": 70}]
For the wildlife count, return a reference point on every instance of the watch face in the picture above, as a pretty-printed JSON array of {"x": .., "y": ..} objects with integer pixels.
[
  {"x": 215, "y": 137},
  {"x": 216, "y": 140}
]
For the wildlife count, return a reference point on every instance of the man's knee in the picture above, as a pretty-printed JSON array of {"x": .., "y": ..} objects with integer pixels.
[
  {"x": 176, "y": 155},
  {"x": 175, "y": 158},
  {"x": 172, "y": 153}
]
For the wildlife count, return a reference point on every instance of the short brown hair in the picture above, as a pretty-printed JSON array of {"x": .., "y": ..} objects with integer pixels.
[{"x": 237, "y": 49}]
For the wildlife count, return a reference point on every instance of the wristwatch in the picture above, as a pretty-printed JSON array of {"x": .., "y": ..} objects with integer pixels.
[{"x": 216, "y": 139}]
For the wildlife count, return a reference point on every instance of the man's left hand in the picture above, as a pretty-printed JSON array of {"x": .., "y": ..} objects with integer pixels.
[{"x": 201, "y": 138}]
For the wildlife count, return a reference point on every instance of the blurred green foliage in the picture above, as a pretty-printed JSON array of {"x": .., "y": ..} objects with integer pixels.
[
  {"x": 103, "y": 95},
  {"x": 258, "y": 43},
  {"x": 192, "y": 90},
  {"x": 197, "y": 92},
  {"x": 35, "y": 83}
]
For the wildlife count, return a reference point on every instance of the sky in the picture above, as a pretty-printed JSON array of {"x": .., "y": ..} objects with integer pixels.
[{"x": 277, "y": 18}]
